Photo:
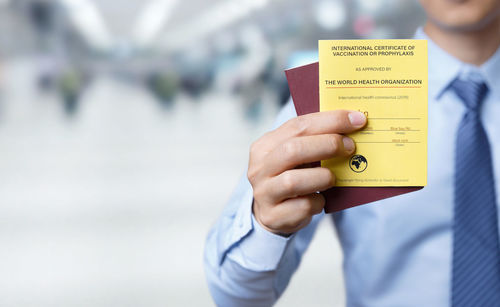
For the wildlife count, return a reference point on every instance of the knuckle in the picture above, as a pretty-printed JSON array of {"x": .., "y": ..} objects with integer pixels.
[
  {"x": 291, "y": 149},
  {"x": 252, "y": 173},
  {"x": 254, "y": 148},
  {"x": 333, "y": 144},
  {"x": 300, "y": 125},
  {"x": 258, "y": 193},
  {"x": 288, "y": 182}
]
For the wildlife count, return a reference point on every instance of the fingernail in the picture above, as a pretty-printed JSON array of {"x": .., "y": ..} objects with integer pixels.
[
  {"x": 348, "y": 144},
  {"x": 357, "y": 119}
]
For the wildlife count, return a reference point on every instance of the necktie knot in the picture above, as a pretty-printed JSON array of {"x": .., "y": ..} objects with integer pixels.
[{"x": 471, "y": 92}]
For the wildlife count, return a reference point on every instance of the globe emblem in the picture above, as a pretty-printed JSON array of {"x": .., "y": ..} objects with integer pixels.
[{"x": 358, "y": 163}]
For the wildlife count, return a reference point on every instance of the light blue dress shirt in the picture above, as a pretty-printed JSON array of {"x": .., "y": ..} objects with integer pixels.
[{"x": 397, "y": 252}]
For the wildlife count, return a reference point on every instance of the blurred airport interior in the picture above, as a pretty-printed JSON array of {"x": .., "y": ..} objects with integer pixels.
[{"x": 124, "y": 126}]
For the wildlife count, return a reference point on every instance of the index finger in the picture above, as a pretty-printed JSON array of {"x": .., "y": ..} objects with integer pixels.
[{"x": 338, "y": 122}]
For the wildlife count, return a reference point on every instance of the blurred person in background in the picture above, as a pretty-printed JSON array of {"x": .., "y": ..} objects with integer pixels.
[
  {"x": 435, "y": 247},
  {"x": 70, "y": 85}
]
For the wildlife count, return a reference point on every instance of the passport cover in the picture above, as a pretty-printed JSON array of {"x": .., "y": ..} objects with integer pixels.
[{"x": 303, "y": 82}]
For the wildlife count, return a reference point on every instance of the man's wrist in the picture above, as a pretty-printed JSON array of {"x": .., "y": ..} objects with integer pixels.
[{"x": 262, "y": 249}]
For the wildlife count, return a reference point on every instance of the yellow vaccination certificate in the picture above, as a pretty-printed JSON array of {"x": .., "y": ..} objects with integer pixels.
[{"x": 387, "y": 81}]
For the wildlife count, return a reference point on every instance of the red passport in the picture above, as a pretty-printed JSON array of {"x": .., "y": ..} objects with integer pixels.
[{"x": 303, "y": 82}]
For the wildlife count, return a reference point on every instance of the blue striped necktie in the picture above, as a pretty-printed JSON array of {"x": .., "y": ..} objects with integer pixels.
[{"x": 476, "y": 250}]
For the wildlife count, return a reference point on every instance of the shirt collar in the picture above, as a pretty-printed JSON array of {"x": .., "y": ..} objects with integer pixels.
[
  {"x": 491, "y": 73},
  {"x": 444, "y": 68}
]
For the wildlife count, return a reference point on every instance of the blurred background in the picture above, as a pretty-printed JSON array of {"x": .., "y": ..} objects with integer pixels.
[{"x": 124, "y": 126}]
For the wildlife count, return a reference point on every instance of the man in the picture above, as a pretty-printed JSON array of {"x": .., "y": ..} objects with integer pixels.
[{"x": 435, "y": 247}]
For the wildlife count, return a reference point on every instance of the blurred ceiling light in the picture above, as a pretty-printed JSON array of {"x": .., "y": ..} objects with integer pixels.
[
  {"x": 87, "y": 19},
  {"x": 209, "y": 21},
  {"x": 151, "y": 21},
  {"x": 330, "y": 15}
]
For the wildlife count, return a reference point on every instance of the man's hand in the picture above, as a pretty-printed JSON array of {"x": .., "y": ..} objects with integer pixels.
[{"x": 285, "y": 197}]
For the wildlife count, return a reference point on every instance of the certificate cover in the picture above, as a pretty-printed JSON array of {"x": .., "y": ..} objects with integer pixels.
[{"x": 386, "y": 79}]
